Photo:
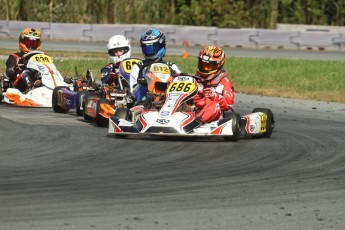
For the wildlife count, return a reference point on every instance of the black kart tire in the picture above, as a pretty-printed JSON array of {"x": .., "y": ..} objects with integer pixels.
[
  {"x": 236, "y": 126},
  {"x": 86, "y": 117},
  {"x": 270, "y": 122},
  {"x": 78, "y": 109},
  {"x": 56, "y": 107},
  {"x": 123, "y": 113},
  {"x": 88, "y": 97}
]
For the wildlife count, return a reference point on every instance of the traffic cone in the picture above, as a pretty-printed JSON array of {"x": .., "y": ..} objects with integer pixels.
[{"x": 184, "y": 54}]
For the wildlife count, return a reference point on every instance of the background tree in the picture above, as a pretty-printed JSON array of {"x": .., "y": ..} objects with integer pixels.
[{"x": 219, "y": 13}]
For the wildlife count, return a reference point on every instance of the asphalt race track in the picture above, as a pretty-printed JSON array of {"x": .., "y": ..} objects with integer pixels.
[{"x": 59, "y": 172}]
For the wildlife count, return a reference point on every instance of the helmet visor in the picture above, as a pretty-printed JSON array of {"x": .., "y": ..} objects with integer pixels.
[
  {"x": 31, "y": 43},
  {"x": 151, "y": 49},
  {"x": 207, "y": 66},
  {"x": 118, "y": 51}
]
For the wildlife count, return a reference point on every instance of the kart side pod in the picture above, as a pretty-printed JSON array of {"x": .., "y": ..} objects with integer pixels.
[{"x": 259, "y": 123}]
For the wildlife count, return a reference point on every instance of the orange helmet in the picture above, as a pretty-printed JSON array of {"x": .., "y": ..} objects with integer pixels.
[
  {"x": 29, "y": 40},
  {"x": 210, "y": 62}
]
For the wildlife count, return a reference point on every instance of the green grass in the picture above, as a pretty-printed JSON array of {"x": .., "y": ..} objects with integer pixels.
[{"x": 305, "y": 79}]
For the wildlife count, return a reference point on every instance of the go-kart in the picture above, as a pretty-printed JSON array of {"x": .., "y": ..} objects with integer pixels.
[
  {"x": 39, "y": 96},
  {"x": 99, "y": 106},
  {"x": 4, "y": 85},
  {"x": 153, "y": 80},
  {"x": 64, "y": 98},
  {"x": 174, "y": 115}
]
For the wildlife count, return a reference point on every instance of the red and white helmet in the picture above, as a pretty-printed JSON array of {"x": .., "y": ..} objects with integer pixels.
[
  {"x": 210, "y": 62},
  {"x": 115, "y": 43}
]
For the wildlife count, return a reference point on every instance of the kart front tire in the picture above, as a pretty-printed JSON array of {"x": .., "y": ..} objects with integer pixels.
[
  {"x": 87, "y": 97},
  {"x": 236, "y": 126},
  {"x": 86, "y": 117},
  {"x": 80, "y": 94},
  {"x": 270, "y": 122},
  {"x": 123, "y": 113},
  {"x": 57, "y": 108}
]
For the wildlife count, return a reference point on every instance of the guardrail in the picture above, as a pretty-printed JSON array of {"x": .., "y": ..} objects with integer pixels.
[{"x": 185, "y": 35}]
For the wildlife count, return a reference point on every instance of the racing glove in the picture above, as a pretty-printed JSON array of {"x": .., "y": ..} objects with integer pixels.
[
  {"x": 223, "y": 104},
  {"x": 105, "y": 75},
  {"x": 210, "y": 93}
]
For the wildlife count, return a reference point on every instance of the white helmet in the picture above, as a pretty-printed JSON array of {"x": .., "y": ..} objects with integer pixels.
[{"x": 116, "y": 42}]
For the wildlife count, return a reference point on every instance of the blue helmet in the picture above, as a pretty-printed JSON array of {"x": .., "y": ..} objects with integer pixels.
[{"x": 152, "y": 43}]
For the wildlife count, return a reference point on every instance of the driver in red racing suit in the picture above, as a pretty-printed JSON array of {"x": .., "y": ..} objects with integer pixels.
[{"x": 216, "y": 92}]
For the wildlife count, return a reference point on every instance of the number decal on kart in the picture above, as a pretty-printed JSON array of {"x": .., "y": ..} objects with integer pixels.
[
  {"x": 263, "y": 118},
  {"x": 186, "y": 87},
  {"x": 160, "y": 68},
  {"x": 42, "y": 58},
  {"x": 128, "y": 64}
]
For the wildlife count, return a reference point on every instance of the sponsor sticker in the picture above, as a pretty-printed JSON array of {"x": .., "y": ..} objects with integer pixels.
[
  {"x": 67, "y": 101},
  {"x": 184, "y": 78},
  {"x": 164, "y": 113},
  {"x": 162, "y": 121}
]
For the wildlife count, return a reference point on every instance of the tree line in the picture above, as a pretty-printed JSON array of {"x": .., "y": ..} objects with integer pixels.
[{"x": 219, "y": 13}]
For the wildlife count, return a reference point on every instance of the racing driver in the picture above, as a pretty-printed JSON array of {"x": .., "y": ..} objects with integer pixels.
[
  {"x": 119, "y": 48},
  {"x": 216, "y": 91},
  {"x": 153, "y": 47},
  {"x": 22, "y": 78}
]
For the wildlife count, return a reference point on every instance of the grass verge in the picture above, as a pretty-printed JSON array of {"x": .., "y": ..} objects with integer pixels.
[{"x": 304, "y": 79}]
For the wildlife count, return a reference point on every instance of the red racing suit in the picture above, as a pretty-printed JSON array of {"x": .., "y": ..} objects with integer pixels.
[{"x": 218, "y": 95}]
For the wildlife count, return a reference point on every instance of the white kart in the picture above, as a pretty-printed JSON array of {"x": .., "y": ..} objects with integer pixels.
[
  {"x": 40, "y": 96},
  {"x": 176, "y": 117}
]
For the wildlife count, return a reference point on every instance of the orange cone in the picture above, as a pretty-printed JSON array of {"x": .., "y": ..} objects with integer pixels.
[{"x": 184, "y": 54}]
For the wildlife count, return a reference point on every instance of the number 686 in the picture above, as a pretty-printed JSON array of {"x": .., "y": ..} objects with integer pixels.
[{"x": 182, "y": 86}]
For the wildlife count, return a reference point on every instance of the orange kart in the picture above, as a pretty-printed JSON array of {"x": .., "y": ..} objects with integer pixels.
[{"x": 99, "y": 106}]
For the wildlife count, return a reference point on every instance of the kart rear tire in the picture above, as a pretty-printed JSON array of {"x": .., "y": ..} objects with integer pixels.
[
  {"x": 236, "y": 126},
  {"x": 100, "y": 120},
  {"x": 270, "y": 122},
  {"x": 86, "y": 117},
  {"x": 56, "y": 107},
  {"x": 123, "y": 113},
  {"x": 88, "y": 97},
  {"x": 80, "y": 94}
]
